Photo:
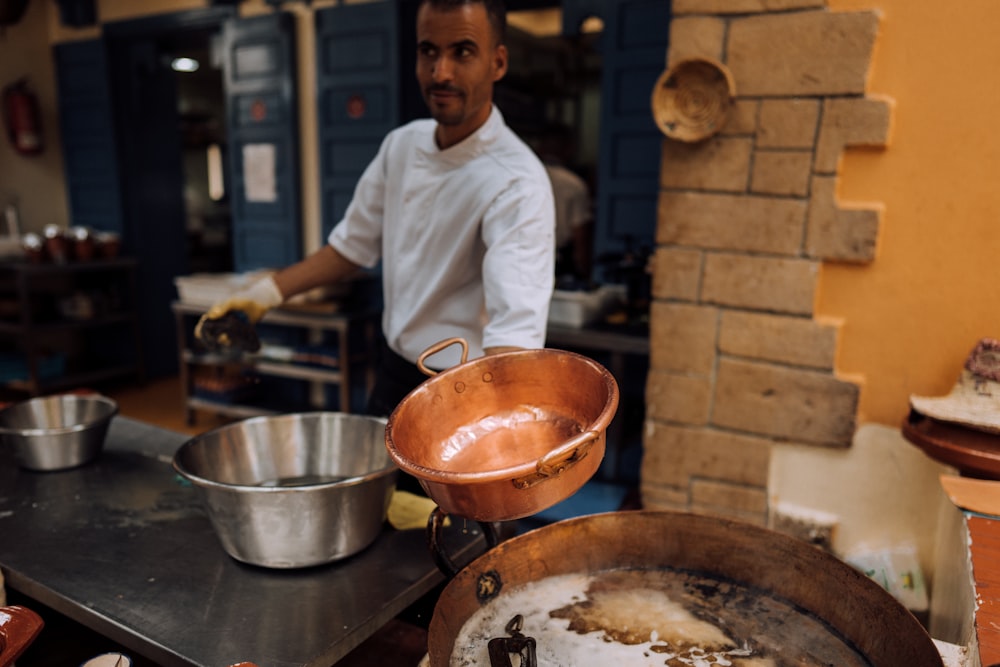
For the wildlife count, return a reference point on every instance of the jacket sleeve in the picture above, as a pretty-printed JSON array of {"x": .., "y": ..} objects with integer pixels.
[
  {"x": 519, "y": 264},
  {"x": 358, "y": 235}
]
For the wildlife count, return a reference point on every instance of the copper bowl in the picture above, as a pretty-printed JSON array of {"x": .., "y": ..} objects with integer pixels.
[{"x": 506, "y": 435}]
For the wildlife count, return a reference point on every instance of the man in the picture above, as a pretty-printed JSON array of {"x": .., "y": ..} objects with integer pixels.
[{"x": 458, "y": 210}]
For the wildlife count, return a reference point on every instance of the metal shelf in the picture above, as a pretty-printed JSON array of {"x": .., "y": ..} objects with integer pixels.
[
  {"x": 342, "y": 324},
  {"x": 71, "y": 380},
  {"x": 27, "y": 282},
  {"x": 62, "y": 326},
  {"x": 267, "y": 367}
]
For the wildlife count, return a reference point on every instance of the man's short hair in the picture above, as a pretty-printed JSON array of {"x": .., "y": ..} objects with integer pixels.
[{"x": 496, "y": 12}]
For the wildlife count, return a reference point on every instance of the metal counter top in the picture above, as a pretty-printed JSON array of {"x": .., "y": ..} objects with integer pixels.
[{"x": 122, "y": 546}]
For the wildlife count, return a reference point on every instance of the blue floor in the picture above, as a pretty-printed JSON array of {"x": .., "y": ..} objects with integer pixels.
[
  {"x": 607, "y": 491},
  {"x": 594, "y": 497}
]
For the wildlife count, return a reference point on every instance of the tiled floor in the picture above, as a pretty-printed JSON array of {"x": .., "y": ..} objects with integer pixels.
[{"x": 160, "y": 402}]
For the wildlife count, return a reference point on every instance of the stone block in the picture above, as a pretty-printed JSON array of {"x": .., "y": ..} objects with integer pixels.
[
  {"x": 840, "y": 234},
  {"x": 797, "y": 341},
  {"x": 801, "y": 53},
  {"x": 682, "y": 337},
  {"x": 664, "y": 498},
  {"x": 760, "y": 283},
  {"x": 772, "y": 225},
  {"x": 861, "y": 121},
  {"x": 676, "y": 273},
  {"x": 696, "y": 37},
  {"x": 742, "y": 119},
  {"x": 674, "y": 454},
  {"x": 781, "y": 172},
  {"x": 718, "y": 163},
  {"x": 788, "y": 123},
  {"x": 742, "y": 502},
  {"x": 680, "y": 7},
  {"x": 732, "y": 514},
  {"x": 785, "y": 403},
  {"x": 675, "y": 397}
]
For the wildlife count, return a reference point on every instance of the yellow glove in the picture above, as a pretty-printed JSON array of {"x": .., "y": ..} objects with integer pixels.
[{"x": 230, "y": 323}]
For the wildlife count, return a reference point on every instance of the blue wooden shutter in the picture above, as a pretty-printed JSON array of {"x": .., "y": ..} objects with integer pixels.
[
  {"x": 634, "y": 48},
  {"x": 262, "y": 107},
  {"x": 357, "y": 87},
  {"x": 88, "y": 138}
]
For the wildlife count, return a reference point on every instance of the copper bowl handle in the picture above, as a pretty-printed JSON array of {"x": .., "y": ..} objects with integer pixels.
[
  {"x": 558, "y": 459},
  {"x": 437, "y": 347}
]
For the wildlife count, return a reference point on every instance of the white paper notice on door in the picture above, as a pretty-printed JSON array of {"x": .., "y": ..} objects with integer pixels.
[{"x": 259, "y": 173}]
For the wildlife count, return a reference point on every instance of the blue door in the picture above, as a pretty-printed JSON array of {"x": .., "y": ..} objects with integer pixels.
[
  {"x": 263, "y": 141},
  {"x": 634, "y": 48},
  {"x": 358, "y": 93},
  {"x": 88, "y": 137}
]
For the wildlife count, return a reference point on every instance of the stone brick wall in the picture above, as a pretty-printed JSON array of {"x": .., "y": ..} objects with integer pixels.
[{"x": 738, "y": 361}]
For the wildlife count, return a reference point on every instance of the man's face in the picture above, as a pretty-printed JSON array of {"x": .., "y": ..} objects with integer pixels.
[{"x": 458, "y": 61}]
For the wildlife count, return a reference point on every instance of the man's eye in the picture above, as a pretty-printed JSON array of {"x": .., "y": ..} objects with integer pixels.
[
  {"x": 425, "y": 51},
  {"x": 463, "y": 52}
]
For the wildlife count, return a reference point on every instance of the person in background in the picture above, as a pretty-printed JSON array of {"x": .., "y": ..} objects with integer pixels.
[
  {"x": 457, "y": 209},
  {"x": 574, "y": 207}
]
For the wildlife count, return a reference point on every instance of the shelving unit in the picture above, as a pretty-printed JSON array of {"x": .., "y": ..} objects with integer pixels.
[
  {"x": 348, "y": 328},
  {"x": 70, "y": 312}
]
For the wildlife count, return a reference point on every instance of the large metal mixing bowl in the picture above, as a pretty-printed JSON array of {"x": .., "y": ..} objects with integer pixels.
[
  {"x": 57, "y": 432},
  {"x": 293, "y": 490}
]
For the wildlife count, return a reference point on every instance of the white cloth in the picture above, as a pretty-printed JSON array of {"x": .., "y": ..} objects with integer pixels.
[
  {"x": 572, "y": 200},
  {"x": 466, "y": 236}
]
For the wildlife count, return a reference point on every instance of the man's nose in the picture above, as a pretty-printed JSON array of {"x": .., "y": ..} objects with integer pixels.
[{"x": 443, "y": 69}]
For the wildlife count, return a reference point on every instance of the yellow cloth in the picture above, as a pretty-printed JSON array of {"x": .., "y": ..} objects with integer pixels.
[{"x": 408, "y": 510}]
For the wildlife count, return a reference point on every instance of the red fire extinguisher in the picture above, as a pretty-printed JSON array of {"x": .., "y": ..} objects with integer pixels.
[{"x": 21, "y": 118}]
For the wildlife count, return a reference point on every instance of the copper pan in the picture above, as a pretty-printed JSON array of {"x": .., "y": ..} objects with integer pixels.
[
  {"x": 812, "y": 582},
  {"x": 506, "y": 435}
]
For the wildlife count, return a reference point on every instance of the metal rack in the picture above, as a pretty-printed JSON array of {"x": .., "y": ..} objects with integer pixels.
[
  {"x": 36, "y": 325},
  {"x": 342, "y": 324}
]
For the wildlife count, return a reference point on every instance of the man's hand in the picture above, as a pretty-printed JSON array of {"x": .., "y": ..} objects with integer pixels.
[{"x": 230, "y": 323}]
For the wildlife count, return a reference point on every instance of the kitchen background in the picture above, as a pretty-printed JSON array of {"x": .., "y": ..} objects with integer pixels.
[{"x": 828, "y": 254}]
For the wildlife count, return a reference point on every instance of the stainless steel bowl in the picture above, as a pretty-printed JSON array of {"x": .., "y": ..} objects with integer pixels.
[
  {"x": 57, "y": 432},
  {"x": 293, "y": 490}
]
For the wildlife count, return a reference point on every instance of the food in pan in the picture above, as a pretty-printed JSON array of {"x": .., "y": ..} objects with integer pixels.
[{"x": 658, "y": 617}]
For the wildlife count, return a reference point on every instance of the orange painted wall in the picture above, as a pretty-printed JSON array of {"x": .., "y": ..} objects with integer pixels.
[{"x": 911, "y": 317}]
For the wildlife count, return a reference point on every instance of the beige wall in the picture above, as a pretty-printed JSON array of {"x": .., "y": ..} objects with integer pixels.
[{"x": 35, "y": 183}]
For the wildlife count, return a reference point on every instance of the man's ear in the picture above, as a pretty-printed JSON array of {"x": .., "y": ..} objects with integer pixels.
[{"x": 499, "y": 63}]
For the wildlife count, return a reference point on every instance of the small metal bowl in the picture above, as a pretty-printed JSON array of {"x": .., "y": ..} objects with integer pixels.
[
  {"x": 57, "y": 432},
  {"x": 295, "y": 490}
]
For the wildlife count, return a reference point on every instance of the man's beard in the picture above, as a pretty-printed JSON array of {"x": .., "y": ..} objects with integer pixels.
[{"x": 450, "y": 114}]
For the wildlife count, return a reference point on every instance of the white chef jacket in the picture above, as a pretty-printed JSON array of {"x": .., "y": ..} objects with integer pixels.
[{"x": 466, "y": 236}]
